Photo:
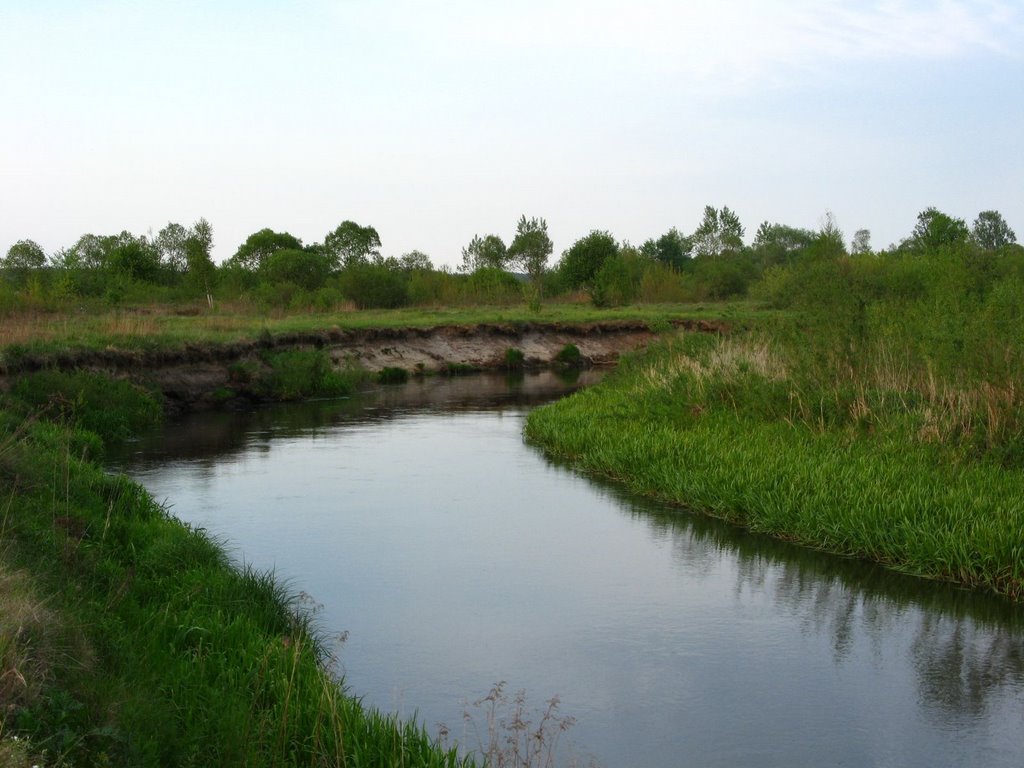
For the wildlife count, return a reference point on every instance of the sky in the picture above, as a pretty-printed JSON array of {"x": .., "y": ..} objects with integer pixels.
[{"x": 433, "y": 122}]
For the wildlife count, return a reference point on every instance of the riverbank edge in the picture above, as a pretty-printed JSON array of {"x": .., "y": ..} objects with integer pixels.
[
  {"x": 141, "y": 643},
  {"x": 785, "y": 481},
  {"x": 51, "y": 527},
  {"x": 205, "y": 375}
]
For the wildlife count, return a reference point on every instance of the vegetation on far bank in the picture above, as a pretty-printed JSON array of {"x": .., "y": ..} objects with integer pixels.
[
  {"x": 867, "y": 403},
  {"x": 881, "y": 416}
]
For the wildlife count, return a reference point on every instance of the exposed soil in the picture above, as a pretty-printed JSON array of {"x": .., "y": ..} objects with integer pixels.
[{"x": 188, "y": 376}]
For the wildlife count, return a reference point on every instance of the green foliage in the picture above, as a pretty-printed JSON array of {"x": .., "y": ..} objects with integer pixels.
[
  {"x": 935, "y": 230},
  {"x": 862, "y": 458},
  {"x": 21, "y": 260},
  {"x": 307, "y": 270},
  {"x": 671, "y": 249},
  {"x": 169, "y": 655},
  {"x": 259, "y": 246},
  {"x": 514, "y": 359},
  {"x": 723, "y": 277},
  {"x": 351, "y": 245},
  {"x": 488, "y": 252},
  {"x": 569, "y": 356},
  {"x": 776, "y": 244},
  {"x": 720, "y": 232},
  {"x": 297, "y": 373},
  {"x": 991, "y": 232},
  {"x": 113, "y": 409},
  {"x": 375, "y": 286},
  {"x": 392, "y": 375},
  {"x": 617, "y": 282},
  {"x": 531, "y": 247},
  {"x": 488, "y": 285},
  {"x": 584, "y": 259}
]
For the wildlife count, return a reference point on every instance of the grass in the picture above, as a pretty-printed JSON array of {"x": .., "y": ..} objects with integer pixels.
[
  {"x": 734, "y": 428},
  {"x": 40, "y": 335},
  {"x": 128, "y": 638}
]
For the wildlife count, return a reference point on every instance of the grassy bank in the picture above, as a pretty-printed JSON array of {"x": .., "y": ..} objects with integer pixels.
[
  {"x": 146, "y": 328},
  {"x": 127, "y": 638},
  {"x": 885, "y": 461}
]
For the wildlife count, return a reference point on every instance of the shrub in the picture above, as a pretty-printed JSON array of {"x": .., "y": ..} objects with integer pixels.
[
  {"x": 569, "y": 356},
  {"x": 114, "y": 409},
  {"x": 514, "y": 359},
  {"x": 392, "y": 375}
]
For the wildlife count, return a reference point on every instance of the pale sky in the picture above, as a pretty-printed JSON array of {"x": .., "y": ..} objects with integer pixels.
[{"x": 436, "y": 121}]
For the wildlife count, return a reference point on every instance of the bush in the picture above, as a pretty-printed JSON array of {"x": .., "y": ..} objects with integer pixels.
[
  {"x": 375, "y": 286},
  {"x": 489, "y": 285},
  {"x": 392, "y": 375},
  {"x": 300, "y": 373},
  {"x": 114, "y": 409},
  {"x": 617, "y": 282},
  {"x": 569, "y": 356},
  {"x": 514, "y": 359}
]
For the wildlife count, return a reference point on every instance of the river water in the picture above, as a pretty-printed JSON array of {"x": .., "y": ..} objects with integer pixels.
[{"x": 455, "y": 556}]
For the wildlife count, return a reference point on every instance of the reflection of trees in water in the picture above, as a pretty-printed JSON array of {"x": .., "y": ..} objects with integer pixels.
[
  {"x": 961, "y": 665},
  {"x": 219, "y": 435},
  {"x": 967, "y": 649}
]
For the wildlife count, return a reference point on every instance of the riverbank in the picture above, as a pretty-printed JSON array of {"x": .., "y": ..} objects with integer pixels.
[
  {"x": 128, "y": 638},
  {"x": 724, "y": 427},
  {"x": 200, "y": 374}
]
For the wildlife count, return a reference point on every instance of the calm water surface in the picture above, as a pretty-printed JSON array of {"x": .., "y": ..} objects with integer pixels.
[{"x": 456, "y": 556}]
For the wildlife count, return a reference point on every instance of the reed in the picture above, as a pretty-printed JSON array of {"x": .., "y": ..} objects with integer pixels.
[{"x": 883, "y": 463}]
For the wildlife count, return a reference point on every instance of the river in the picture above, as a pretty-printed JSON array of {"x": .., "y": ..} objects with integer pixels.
[{"x": 451, "y": 556}]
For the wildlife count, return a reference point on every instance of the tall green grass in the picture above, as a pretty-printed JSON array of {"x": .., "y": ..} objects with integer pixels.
[
  {"x": 747, "y": 430},
  {"x": 158, "y": 651}
]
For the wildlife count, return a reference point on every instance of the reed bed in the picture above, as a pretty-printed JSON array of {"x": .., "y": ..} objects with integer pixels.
[{"x": 882, "y": 462}]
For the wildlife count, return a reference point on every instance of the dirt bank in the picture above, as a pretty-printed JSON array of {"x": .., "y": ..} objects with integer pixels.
[{"x": 188, "y": 376}]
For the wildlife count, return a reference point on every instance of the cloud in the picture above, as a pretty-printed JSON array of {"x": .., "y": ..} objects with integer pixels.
[{"x": 714, "y": 42}]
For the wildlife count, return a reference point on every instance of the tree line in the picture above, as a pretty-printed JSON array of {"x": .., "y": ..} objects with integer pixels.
[{"x": 276, "y": 269}]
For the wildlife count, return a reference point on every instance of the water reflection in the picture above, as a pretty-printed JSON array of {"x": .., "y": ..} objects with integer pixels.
[
  {"x": 966, "y": 647},
  {"x": 212, "y": 436},
  {"x": 457, "y": 557}
]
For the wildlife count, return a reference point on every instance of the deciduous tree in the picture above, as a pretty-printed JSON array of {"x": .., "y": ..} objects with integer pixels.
[
  {"x": 351, "y": 244},
  {"x": 488, "y": 252},
  {"x": 531, "y": 248},
  {"x": 719, "y": 233},
  {"x": 991, "y": 232},
  {"x": 582, "y": 261},
  {"x": 259, "y": 246}
]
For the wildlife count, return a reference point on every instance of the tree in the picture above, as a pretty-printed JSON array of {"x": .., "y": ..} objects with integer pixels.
[
  {"x": 415, "y": 261},
  {"x": 487, "y": 252},
  {"x": 131, "y": 257},
  {"x": 582, "y": 261},
  {"x": 719, "y": 233},
  {"x": 87, "y": 253},
  {"x": 935, "y": 229},
  {"x": 779, "y": 243},
  {"x": 200, "y": 270},
  {"x": 531, "y": 247},
  {"x": 170, "y": 244},
  {"x": 304, "y": 268},
  {"x": 350, "y": 244},
  {"x": 991, "y": 232},
  {"x": 261, "y": 245},
  {"x": 861, "y": 242},
  {"x": 23, "y": 256},
  {"x": 672, "y": 249}
]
